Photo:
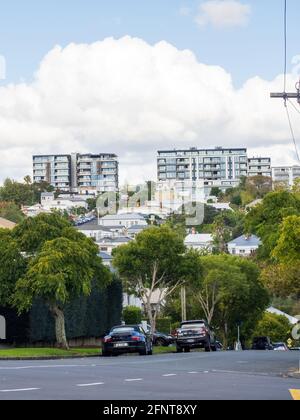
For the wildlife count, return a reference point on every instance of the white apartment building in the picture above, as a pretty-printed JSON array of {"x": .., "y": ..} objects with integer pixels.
[
  {"x": 121, "y": 221},
  {"x": 260, "y": 166},
  {"x": 286, "y": 174}
]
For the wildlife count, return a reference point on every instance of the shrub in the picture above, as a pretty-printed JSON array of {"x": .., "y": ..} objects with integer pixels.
[{"x": 132, "y": 315}]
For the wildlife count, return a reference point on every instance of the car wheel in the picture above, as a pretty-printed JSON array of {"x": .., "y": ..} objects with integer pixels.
[
  {"x": 105, "y": 354},
  {"x": 143, "y": 352},
  {"x": 187, "y": 350},
  {"x": 179, "y": 349},
  {"x": 214, "y": 348}
]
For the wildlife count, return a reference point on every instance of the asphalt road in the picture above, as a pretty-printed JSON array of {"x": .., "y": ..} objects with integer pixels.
[{"x": 194, "y": 376}]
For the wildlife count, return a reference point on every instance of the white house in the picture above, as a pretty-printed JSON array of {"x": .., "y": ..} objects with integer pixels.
[
  {"x": 49, "y": 203},
  {"x": 244, "y": 245},
  {"x": 199, "y": 241},
  {"x": 123, "y": 220},
  {"x": 107, "y": 245},
  {"x": 94, "y": 231}
]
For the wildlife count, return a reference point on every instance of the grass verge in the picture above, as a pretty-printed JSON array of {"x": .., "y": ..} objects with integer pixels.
[{"x": 30, "y": 353}]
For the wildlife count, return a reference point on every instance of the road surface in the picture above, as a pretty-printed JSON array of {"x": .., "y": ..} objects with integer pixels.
[{"x": 194, "y": 376}]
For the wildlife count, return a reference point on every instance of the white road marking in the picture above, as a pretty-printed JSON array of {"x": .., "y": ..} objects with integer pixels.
[
  {"x": 193, "y": 373},
  {"x": 87, "y": 385},
  {"x": 134, "y": 380},
  {"x": 19, "y": 390},
  {"x": 169, "y": 375}
]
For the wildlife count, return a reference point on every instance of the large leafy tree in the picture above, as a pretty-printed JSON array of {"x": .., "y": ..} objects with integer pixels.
[
  {"x": 282, "y": 276},
  {"x": 34, "y": 232},
  {"x": 11, "y": 211},
  {"x": 229, "y": 292},
  {"x": 153, "y": 264},
  {"x": 277, "y": 327},
  {"x": 61, "y": 271},
  {"x": 12, "y": 266},
  {"x": 265, "y": 219}
]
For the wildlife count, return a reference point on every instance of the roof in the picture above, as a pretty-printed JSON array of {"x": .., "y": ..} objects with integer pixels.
[
  {"x": 198, "y": 239},
  {"x": 6, "y": 224},
  {"x": 125, "y": 216},
  {"x": 250, "y": 241},
  {"x": 92, "y": 227},
  {"x": 137, "y": 227},
  {"x": 105, "y": 256},
  {"x": 122, "y": 239},
  {"x": 275, "y": 311}
]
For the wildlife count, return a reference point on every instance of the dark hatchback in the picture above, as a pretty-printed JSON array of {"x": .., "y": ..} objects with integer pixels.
[
  {"x": 262, "y": 343},
  {"x": 127, "y": 339}
]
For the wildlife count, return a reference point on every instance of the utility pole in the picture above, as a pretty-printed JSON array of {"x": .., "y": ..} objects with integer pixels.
[
  {"x": 183, "y": 304},
  {"x": 286, "y": 96}
]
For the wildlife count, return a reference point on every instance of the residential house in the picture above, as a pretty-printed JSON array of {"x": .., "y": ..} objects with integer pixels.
[
  {"x": 244, "y": 245},
  {"x": 200, "y": 242},
  {"x": 123, "y": 220}
]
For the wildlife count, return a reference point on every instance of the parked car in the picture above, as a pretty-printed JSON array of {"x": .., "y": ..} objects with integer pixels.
[
  {"x": 280, "y": 347},
  {"x": 262, "y": 343},
  {"x": 194, "y": 335},
  {"x": 127, "y": 339},
  {"x": 160, "y": 339}
]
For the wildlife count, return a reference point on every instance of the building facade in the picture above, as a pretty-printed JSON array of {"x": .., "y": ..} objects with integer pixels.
[
  {"x": 54, "y": 169},
  {"x": 286, "y": 174},
  {"x": 84, "y": 174},
  {"x": 217, "y": 167},
  {"x": 260, "y": 167}
]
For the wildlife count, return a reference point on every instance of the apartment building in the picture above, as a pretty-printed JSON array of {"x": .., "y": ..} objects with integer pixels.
[
  {"x": 78, "y": 173},
  {"x": 260, "y": 166},
  {"x": 217, "y": 167},
  {"x": 286, "y": 174},
  {"x": 54, "y": 169}
]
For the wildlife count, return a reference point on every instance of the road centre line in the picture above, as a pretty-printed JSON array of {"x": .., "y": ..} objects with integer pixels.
[
  {"x": 134, "y": 380},
  {"x": 19, "y": 390},
  {"x": 88, "y": 385},
  {"x": 169, "y": 375}
]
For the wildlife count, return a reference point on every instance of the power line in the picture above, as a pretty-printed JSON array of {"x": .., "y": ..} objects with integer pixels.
[
  {"x": 294, "y": 106},
  {"x": 292, "y": 130}
]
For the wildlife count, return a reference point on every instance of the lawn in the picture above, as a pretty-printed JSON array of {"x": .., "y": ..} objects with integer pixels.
[{"x": 52, "y": 352}]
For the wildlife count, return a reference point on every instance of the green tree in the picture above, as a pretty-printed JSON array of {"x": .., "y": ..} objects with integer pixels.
[
  {"x": 152, "y": 264},
  {"x": 132, "y": 315},
  {"x": 277, "y": 327},
  {"x": 229, "y": 292},
  {"x": 264, "y": 220},
  {"x": 60, "y": 272},
  {"x": 282, "y": 276},
  {"x": 221, "y": 234},
  {"x": 12, "y": 266},
  {"x": 32, "y": 233},
  {"x": 10, "y": 211}
]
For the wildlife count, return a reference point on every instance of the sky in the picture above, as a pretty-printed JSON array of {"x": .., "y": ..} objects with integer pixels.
[{"x": 131, "y": 77}]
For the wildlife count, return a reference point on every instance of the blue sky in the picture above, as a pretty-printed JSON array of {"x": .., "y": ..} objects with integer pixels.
[
  {"x": 29, "y": 29},
  {"x": 132, "y": 94}
]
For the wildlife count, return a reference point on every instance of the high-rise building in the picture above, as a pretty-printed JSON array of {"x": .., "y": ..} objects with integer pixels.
[
  {"x": 54, "y": 169},
  {"x": 286, "y": 174},
  {"x": 260, "y": 167},
  {"x": 97, "y": 172},
  {"x": 217, "y": 167},
  {"x": 80, "y": 173}
]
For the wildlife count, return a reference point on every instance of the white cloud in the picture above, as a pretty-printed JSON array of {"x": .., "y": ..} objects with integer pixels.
[
  {"x": 185, "y": 11},
  {"x": 128, "y": 97},
  {"x": 223, "y": 13}
]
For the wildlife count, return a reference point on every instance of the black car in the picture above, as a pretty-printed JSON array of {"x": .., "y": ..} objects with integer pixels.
[
  {"x": 262, "y": 343},
  {"x": 195, "y": 335},
  {"x": 163, "y": 340},
  {"x": 127, "y": 339}
]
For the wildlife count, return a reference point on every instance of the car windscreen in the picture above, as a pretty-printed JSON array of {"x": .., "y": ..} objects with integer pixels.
[
  {"x": 192, "y": 326},
  {"x": 124, "y": 330}
]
